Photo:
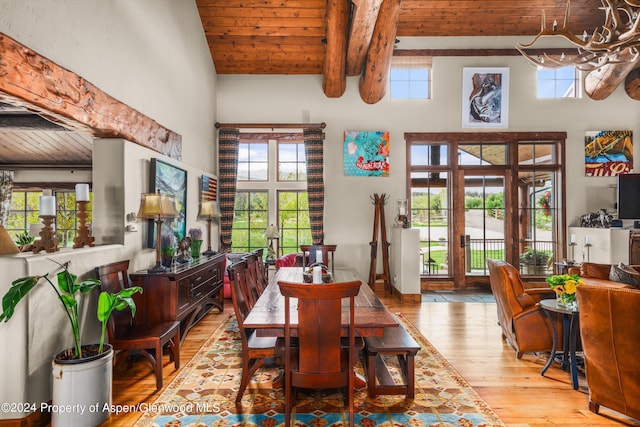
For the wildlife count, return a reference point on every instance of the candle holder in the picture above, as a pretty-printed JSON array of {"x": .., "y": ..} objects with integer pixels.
[
  {"x": 587, "y": 246},
  {"x": 573, "y": 251},
  {"x": 48, "y": 240},
  {"x": 82, "y": 238}
]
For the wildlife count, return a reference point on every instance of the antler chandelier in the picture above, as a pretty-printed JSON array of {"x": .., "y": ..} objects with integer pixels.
[{"x": 616, "y": 41}]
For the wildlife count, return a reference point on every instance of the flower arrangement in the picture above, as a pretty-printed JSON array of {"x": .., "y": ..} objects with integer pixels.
[
  {"x": 195, "y": 233},
  {"x": 565, "y": 285},
  {"x": 168, "y": 247},
  {"x": 545, "y": 203}
]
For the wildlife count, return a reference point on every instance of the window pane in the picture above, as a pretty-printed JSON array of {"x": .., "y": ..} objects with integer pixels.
[{"x": 429, "y": 155}]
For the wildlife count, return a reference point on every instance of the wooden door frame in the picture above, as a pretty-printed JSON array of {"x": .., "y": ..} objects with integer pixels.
[{"x": 452, "y": 139}]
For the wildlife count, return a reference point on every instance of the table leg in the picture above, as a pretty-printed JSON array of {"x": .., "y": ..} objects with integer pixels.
[
  {"x": 553, "y": 346},
  {"x": 573, "y": 362},
  {"x": 566, "y": 335}
]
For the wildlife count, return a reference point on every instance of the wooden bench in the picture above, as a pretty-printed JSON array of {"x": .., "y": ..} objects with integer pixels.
[{"x": 398, "y": 341}]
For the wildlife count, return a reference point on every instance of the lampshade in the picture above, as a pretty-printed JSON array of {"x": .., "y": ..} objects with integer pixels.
[
  {"x": 34, "y": 230},
  {"x": 7, "y": 245},
  {"x": 209, "y": 209},
  {"x": 157, "y": 205},
  {"x": 272, "y": 232}
]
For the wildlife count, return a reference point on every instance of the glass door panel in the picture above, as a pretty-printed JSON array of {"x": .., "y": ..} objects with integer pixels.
[
  {"x": 430, "y": 213},
  {"x": 484, "y": 221},
  {"x": 536, "y": 199}
]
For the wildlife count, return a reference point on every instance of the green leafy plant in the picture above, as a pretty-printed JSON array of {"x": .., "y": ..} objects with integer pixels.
[
  {"x": 533, "y": 257},
  {"x": 23, "y": 239},
  {"x": 68, "y": 290}
]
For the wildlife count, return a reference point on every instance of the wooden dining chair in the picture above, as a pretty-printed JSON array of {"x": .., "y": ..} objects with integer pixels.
[
  {"x": 252, "y": 279},
  {"x": 126, "y": 334},
  {"x": 310, "y": 253},
  {"x": 319, "y": 360},
  {"x": 255, "y": 350},
  {"x": 261, "y": 268}
]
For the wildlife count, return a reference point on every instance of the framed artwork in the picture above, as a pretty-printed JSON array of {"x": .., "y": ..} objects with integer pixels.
[
  {"x": 169, "y": 179},
  {"x": 485, "y": 97},
  {"x": 608, "y": 152},
  {"x": 366, "y": 153},
  {"x": 208, "y": 188}
]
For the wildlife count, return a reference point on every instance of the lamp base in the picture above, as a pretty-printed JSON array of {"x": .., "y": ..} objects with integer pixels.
[
  {"x": 209, "y": 252},
  {"x": 158, "y": 268}
]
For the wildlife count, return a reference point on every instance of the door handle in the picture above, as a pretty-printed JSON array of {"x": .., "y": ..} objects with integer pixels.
[{"x": 462, "y": 241}]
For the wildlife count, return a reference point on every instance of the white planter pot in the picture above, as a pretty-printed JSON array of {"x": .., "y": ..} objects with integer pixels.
[{"x": 82, "y": 390}]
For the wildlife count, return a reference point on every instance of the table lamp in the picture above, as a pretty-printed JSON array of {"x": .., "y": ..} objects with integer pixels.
[
  {"x": 158, "y": 207},
  {"x": 271, "y": 233},
  {"x": 209, "y": 209}
]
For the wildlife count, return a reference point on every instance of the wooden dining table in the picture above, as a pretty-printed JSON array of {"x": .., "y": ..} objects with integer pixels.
[{"x": 267, "y": 315}]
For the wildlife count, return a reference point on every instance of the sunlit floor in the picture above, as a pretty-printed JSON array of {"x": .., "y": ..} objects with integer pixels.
[{"x": 457, "y": 296}]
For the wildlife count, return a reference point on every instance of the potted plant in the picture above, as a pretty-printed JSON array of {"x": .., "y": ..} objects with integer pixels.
[
  {"x": 81, "y": 374},
  {"x": 168, "y": 247},
  {"x": 534, "y": 261}
]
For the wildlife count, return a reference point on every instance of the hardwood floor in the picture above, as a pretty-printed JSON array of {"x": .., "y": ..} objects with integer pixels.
[{"x": 465, "y": 333}]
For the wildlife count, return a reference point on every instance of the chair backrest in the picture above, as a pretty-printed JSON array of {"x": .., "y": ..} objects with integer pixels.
[
  {"x": 507, "y": 288},
  {"x": 310, "y": 254},
  {"x": 261, "y": 269},
  {"x": 252, "y": 277},
  {"x": 319, "y": 320},
  {"x": 113, "y": 278},
  {"x": 238, "y": 279},
  {"x": 611, "y": 343}
]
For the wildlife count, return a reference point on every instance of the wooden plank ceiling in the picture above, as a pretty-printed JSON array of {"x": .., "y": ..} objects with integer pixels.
[
  {"x": 289, "y": 36},
  {"x": 339, "y": 38}
]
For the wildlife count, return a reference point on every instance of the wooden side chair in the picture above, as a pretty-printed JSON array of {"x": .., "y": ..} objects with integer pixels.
[
  {"x": 252, "y": 278},
  {"x": 127, "y": 334},
  {"x": 319, "y": 360},
  {"x": 310, "y": 252},
  {"x": 261, "y": 269},
  {"x": 255, "y": 350}
]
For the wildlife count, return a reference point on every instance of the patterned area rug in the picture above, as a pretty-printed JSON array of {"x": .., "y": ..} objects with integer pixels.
[{"x": 203, "y": 394}]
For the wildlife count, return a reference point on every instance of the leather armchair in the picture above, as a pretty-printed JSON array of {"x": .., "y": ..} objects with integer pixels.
[
  {"x": 611, "y": 343},
  {"x": 524, "y": 325}
]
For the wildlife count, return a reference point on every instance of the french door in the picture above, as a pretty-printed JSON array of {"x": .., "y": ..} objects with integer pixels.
[
  {"x": 485, "y": 195},
  {"x": 482, "y": 229}
]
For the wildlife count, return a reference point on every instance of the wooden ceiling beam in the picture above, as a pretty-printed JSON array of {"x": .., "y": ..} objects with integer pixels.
[
  {"x": 31, "y": 80},
  {"x": 373, "y": 81},
  {"x": 334, "y": 80},
  {"x": 363, "y": 20}
]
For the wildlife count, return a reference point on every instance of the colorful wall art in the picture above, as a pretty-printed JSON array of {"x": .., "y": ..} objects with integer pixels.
[
  {"x": 485, "y": 97},
  {"x": 366, "y": 153},
  {"x": 608, "y": 152}
]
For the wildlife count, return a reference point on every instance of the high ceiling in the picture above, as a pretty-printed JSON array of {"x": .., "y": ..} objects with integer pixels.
[{"x": 290, "y": 37}]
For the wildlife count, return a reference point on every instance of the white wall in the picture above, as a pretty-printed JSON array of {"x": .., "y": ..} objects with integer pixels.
[
  {"x": 153, "y": 56},
  {"x": 150, "y": 54},
  {"x": 348, "y": 209}
]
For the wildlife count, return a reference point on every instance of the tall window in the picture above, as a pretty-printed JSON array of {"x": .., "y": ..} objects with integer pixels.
[
  {"x": 271, "y": 189},
  {"x": 410, "y": 77},
  {"x": 24, "y": 211}
]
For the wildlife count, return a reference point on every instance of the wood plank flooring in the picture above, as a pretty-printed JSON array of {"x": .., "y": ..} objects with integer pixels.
[{"x": 465, "y": 333}]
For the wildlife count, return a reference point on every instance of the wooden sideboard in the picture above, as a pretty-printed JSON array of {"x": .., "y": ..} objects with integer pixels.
[
  {"x": 185, "y": 293},
  {"x": 634, "y": 248}
]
